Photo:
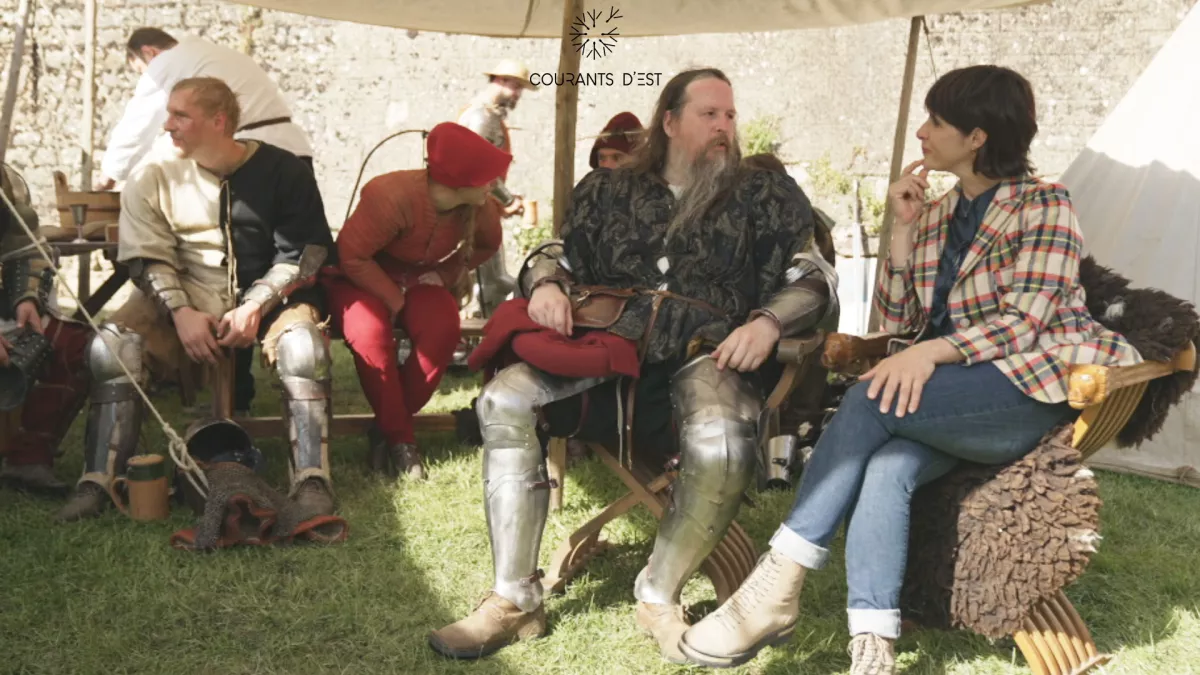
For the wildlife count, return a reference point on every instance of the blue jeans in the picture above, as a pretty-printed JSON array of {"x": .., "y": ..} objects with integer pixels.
[{"x": 867, "y": 464}]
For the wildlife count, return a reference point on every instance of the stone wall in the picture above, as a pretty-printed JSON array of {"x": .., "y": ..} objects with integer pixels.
[{"x": 834, "y": 92}]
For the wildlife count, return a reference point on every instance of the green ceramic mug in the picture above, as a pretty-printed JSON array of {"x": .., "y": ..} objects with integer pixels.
[{"x": 146, "y": 487}]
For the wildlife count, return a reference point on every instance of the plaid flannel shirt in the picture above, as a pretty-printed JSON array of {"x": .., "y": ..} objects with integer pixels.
[{"x": 1016, "y": 300}]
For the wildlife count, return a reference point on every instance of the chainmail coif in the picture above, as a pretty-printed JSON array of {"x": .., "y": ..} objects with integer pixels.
[{"x": 243, "y": 509}]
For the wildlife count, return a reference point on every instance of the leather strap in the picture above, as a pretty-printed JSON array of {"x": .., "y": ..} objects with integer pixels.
[
  {"x": 265, "y": 123},
  {"x": 691, "y": 301}
]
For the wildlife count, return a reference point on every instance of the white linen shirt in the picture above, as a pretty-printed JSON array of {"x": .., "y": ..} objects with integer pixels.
[{"x": 258, "y": 95}]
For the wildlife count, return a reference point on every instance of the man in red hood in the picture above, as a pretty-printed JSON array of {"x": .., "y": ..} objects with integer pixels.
[
  {"x": 414, "y": 236},
  {"x": 614, "y": 145}
]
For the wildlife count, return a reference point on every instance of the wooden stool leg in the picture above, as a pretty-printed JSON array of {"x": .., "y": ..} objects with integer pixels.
[
  {"x": 584, "y": 543},
  {"x": 222, "y": 386},
  {"x": 1055, "y": 641},
  {"x": 730, "y": 562},
  {"x": 556, "y": 466}
]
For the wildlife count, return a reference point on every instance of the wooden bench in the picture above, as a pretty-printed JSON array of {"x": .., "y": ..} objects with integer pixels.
[{"x": 350, "y": 423}]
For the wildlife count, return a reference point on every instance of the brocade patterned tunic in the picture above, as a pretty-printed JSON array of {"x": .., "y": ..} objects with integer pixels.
[{"x": 735, "y": 258}]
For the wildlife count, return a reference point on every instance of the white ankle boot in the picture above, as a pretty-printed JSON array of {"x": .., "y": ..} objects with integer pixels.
[{"x": 761, "y": 612}]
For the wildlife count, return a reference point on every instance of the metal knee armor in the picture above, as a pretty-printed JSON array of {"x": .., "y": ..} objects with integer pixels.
[
  {"x": 116, "y": 410},
  {"x": 305, "y": 371},
  {"x": 718, "y": 414}
]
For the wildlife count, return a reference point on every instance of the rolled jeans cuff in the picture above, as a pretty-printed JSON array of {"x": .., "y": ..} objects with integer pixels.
[
  {"x": 882, "y": 622},
  {"x": 800, "y": 550}
]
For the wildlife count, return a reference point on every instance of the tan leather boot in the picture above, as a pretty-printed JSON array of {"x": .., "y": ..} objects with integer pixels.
[
  {"x": 35, "y": 479},
  {"x": 664, "y": 623},
  {"x": 312, "y": 499},
  {"x": 88, "y": 501},
  {"x": 494, "y": 624},
  {"x": 761, "y": 612},
  {"x": 871, "y": 655}
]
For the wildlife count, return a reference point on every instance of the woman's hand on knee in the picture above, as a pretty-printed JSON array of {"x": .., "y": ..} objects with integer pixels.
[{"x": 900, "y": 378}]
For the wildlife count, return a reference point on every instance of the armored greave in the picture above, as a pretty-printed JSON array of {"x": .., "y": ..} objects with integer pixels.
[
  {"x": 718, "y": 413},
  {"x": 516, "y": 486},
  {"x": 115, "y": 415},
  {"x": 304, "y": 368}
]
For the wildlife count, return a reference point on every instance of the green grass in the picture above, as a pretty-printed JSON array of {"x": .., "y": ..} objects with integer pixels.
[{"x": 109, "y": 595}]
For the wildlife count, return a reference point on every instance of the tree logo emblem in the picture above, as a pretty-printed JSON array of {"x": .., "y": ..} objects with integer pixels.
[{"x": 594, "y": 34}]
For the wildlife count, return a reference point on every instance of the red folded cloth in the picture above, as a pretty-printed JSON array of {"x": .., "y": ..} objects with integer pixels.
[{"x": 592, "y": 353}]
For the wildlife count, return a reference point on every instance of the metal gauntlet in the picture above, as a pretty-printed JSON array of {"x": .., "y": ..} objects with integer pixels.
[
  {"x": 799, "y": 306},
  {"x": 545, "y": 264},
  {"x": 161, "y": 282}
]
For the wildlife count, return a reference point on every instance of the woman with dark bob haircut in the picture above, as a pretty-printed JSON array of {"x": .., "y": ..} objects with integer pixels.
[{"x": 987, "y": 277}]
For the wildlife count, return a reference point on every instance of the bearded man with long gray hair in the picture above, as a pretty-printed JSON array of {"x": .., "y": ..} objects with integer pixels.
[{"x": 719, "y": 259}]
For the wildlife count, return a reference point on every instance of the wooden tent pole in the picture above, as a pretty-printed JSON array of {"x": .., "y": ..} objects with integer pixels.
[
  {"x": 14, "y": 73},
  {"x": 566, "y": 108},
  {"x": 910, "y": 68},
  {"x": 88, "y": 127}
]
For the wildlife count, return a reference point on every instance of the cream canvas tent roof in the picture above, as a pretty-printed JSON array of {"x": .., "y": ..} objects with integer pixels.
[
  {"x": 544, "y": 19},
  {"x": 572, "y": 20},
  {"x": 1136, "y": 187}
]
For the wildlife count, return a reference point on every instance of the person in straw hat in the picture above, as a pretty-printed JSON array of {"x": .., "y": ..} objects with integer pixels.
[{"x": 487, "y": 116}]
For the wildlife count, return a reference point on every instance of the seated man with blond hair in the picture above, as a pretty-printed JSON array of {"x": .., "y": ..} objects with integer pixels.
[{"x": 220, "y": 237}]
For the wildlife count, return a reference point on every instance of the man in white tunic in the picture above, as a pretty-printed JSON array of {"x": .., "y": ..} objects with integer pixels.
[{"x": 163, "y": 61}]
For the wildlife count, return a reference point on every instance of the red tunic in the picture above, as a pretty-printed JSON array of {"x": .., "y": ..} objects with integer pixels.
[{"x": 395, "y": 236}]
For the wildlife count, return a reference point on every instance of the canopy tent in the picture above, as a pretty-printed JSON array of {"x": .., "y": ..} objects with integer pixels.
[
  {"x": 544, "y": 19},
  {"x": 1136, "y": 187},
  {"x": 574, "y": 21}
]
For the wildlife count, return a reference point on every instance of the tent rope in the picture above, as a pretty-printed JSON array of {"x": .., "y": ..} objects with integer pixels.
[
  {"x": 929, "y": 47},
  {"x": 175, "y": 445}
]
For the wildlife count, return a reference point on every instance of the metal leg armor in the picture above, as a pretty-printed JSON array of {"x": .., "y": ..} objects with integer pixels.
[
  {"x": 516, "y": 485},
  {"x": 495, "y": 283},
  {"x": 115, "y": 415},
  {"x": 305, "y": 371},
  {"x": 718, "y": 415}
]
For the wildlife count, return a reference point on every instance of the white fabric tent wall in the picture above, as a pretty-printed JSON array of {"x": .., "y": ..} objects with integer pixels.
[{"x": 1136, "y": 187}]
